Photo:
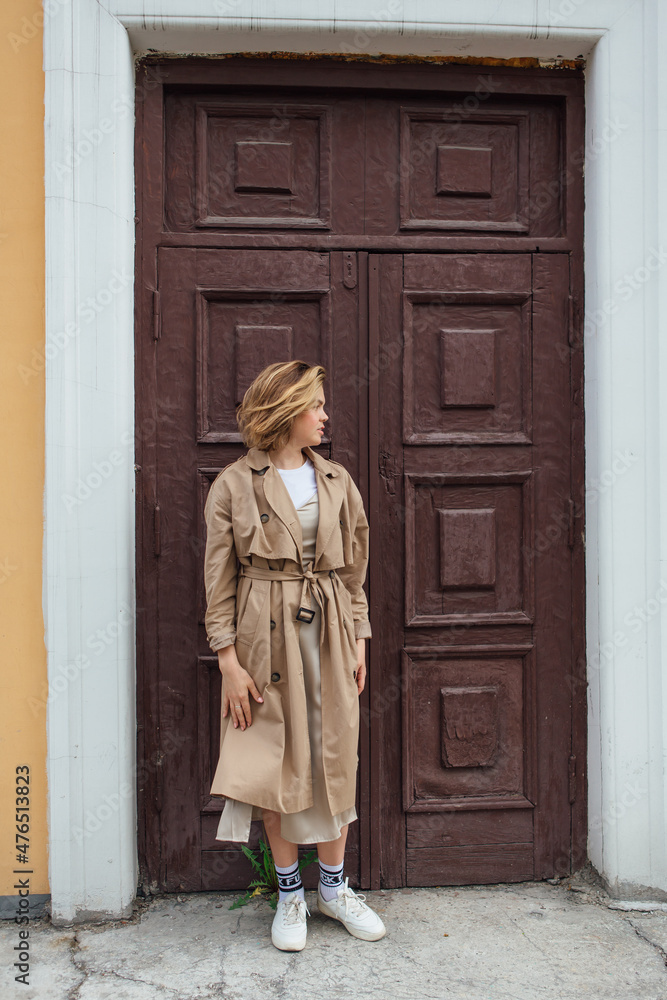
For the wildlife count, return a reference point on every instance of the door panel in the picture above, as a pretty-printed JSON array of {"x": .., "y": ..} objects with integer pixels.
[
  {"x": 224, "y": 316},
  {"x": 274, "y": 161},
  {"x": 475, "y": 469},
  {"x": 434, "y": 166}
]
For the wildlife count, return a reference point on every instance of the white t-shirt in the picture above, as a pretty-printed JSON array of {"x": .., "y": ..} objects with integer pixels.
[{"x": 300, "y": 483}]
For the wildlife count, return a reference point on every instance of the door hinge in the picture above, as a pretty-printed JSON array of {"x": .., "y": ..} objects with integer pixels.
[
  {"x": 572, "y": 778},
  {"x": 571, "y": 515},
  {"x": 156, "y": 315},
  {"x": 157, "y": 528},
  {"x": 350, "y": 269}
]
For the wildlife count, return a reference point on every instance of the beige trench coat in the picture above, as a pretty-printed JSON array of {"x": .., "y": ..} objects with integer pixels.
[{"x": 254, "y": 602}]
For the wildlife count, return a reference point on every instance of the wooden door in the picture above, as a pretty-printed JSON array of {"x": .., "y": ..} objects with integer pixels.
[
  {"x": 225, "y": 315},
  {"x": 473, "y": 596},
  {"x": 417, "y": 230}
]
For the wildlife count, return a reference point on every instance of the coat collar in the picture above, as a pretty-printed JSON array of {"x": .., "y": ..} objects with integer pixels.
[
  {"x": 278, "y": 498},
  {"x": 258, "y": 459}
]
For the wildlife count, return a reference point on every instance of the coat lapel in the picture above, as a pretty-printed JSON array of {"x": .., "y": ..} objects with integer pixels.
[
  {"x": 330, "y": 497},
  {"x": 277, "y": 496}
]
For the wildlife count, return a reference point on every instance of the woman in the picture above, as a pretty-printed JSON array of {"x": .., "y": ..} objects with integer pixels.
[{"x": 286, "y": 557}]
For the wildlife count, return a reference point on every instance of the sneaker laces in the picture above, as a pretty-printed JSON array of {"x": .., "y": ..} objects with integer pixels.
[
  {"x": 354, "y": 902},
  {"x": 293, "y": 909}
]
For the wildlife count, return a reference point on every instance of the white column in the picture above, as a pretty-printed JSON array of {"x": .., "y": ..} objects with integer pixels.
[
  {"x": 89, "y": 494},
  {"x": 626, "y": 419}
]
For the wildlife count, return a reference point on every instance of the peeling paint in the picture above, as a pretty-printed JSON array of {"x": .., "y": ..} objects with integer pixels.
[{"x": 382, "y": 58}]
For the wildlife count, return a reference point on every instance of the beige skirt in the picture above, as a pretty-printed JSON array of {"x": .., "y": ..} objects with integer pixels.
[{"x": 315, "y": 824}]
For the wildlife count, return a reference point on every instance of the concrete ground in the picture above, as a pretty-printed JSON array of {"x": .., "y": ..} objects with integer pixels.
[{"x": 523, "y": 941}]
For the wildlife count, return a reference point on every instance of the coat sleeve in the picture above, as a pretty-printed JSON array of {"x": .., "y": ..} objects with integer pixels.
[
  {"x": 354, "y": 574},
  {"x": 220, "y": 569}
]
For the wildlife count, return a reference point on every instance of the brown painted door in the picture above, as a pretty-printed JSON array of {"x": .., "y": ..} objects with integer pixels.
[
  {"x": 224, "y": 315},
  {"x": 473, "y": 597},
  {"x": 418, "y": 231}
]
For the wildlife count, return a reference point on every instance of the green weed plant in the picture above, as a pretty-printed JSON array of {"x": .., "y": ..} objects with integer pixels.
[{"x": 265, "y": 882}]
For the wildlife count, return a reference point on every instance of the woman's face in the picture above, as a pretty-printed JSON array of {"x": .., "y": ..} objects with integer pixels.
[{"x": 308, "y": 427}]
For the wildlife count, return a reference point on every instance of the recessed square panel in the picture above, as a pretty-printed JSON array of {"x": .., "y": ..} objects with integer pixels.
[
  {"x": 466, "y": 368},
  {"x": 468, "y": 364},
  {"x": 262, "y": 166},
  {"x": 239, "y": 335},
  {"x": 464, "y": 172},
  {"x": 466, "y": 743},
  {"x": 467, "y": 548},
  {"x": 469, "y": 726},
  {"x": 467, "y": 544}
]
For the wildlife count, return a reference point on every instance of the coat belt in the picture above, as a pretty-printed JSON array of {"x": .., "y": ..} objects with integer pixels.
[{"x": 310, "y": 585}]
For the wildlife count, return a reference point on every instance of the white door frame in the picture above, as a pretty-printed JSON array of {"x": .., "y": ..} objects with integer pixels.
[{"x": 89, "y": 540}]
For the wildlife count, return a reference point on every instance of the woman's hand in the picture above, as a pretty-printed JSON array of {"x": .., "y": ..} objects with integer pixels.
[
  {"x": 236, "y": 683},
  {"x": 361, "y": 665}
]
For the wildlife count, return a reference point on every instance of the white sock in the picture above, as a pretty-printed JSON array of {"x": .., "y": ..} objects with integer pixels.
[
  {"x": 331, "y": 880},
  {"x": 289, "y": 880}
]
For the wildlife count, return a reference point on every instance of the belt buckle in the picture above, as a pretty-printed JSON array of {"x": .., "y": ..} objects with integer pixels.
[{"x": 305, "y": 614}]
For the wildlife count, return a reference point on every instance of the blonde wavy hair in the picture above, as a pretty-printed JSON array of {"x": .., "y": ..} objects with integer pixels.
[{"x": 280, "y": 393}]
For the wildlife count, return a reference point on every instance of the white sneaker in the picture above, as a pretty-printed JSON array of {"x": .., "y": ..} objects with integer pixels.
[
  {"x": 288, "y": 930},
  {"x": 353, "y": 913}
]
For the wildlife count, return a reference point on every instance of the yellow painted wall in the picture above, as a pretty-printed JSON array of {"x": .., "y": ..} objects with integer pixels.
[{"x": 22, "y": 650}]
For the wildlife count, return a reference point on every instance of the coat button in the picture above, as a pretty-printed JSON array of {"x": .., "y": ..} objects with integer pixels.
[
  {"x": 264, "y": 517},
  {"x": 275, "y": 677},
  {"x": 332, "y": 573},
  {"x": 261, "y": 472},
  {"x": 340, "y": 522},
  {"x": 273, "y": 624}
]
